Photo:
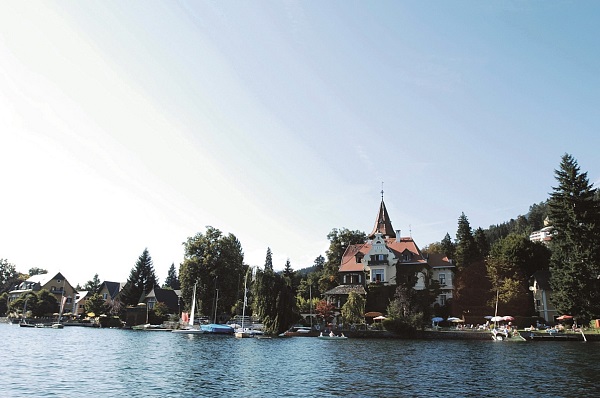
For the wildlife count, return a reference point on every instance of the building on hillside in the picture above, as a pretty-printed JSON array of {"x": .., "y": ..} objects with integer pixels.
[
  {"x": 57, "y": 285},
  {"x": 377, "y": 260},
  {"x": 543, "y": 235},
  {"x": 442, "y": 271},
  {"x": 542, "y": 293}
]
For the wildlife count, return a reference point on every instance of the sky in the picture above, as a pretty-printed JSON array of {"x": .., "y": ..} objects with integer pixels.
[{"x": 133, "y": 125}]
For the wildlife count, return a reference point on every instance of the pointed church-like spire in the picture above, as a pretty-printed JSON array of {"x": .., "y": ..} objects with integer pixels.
[{"x": 383, "y": 224}]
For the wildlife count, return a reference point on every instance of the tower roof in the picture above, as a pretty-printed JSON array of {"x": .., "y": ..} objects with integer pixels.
[{"x": 383, "y": 224}]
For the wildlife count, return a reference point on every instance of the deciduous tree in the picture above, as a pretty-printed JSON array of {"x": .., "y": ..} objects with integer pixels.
[
  {"x": 95, "y": 304},
  {"x": 213, "y": 261},
  {"x": 353, "y": 310}
]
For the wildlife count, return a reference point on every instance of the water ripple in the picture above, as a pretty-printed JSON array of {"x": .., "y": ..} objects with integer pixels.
[{"x": 117, "y": 363}]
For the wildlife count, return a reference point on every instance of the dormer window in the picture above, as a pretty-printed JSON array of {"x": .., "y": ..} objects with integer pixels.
[{"x": 406, "y": 255}]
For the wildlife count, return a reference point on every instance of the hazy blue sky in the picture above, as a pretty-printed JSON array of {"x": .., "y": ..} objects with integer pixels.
[{"x": 126, "y": 125}]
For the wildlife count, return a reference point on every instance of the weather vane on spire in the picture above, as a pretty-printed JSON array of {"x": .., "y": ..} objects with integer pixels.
[{"x": 381, "y": 190}]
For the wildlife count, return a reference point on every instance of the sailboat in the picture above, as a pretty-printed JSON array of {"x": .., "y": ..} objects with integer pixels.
[
  {"x": 245, "y": 332},
  {"x": 24, "y": 323},
  {"x": 63, "y": 299},
  {"x": 190, "y": 329}
]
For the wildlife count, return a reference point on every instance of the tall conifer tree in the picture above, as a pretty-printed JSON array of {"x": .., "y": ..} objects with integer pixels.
[
  {"x": 142, "y": 280},
  {"x": 574, "y": 212}
]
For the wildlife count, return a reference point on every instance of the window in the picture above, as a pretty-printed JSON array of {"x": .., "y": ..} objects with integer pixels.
[
  {"x": 442, "y": 299},
  {"x": 377, "y": 275},
  {"x": 151, "y": 302},
  {"x": 442, "y": 279},
  {"x": 69, "y": 300},
  {"x": 105, "y": 296}
]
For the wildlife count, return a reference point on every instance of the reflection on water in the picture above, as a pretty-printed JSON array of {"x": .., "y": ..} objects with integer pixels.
[{"x": 116, "y": 363}]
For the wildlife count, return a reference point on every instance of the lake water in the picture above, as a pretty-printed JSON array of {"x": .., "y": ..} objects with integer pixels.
[{"x": 80, "y": 362}]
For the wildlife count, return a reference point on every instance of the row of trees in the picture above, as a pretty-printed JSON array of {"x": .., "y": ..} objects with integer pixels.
[{"x": 501, "y": 260}]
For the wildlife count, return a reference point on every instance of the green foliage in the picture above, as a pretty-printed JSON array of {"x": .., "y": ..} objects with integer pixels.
[
  {"x": 435, "y": 247},
  {"x": 405, "y": 312},
  {"x": 42, "y": 303},
  {"x": 483, "y": 246},
  {"x": 287, "y": 270},
  {"x": 8, "y": 275},
  {"x": 574, "y": 212},
  {"x": 339, "y": 240},
  {"x": 93, "y": 285},
  {"x": 172, "y": 280},
  {"x": 95, "y": 304},
  {"x": 269, "y": 260},
  {"x": 3, "y": 303},
  {"x": 47, "y": 304},
  {"x": 142, "y": 280},
  {"x": 448, "y": 248},
  {"x": 274, "y": 302},
  {"x": 319, "y": 263},
  {"x": 214, "y": 261},
  {"x": 405, "y": 326},
  {"x": 511, "y": 263},
  {"x": 309, "y": 286},
  {"x": 37, "y": 271},
  {"x": 305, "y": 305},
  {"x": 160, "y": 313},
  {"x": 353, "y": 309},
  {"x": 472, "y": 290},
  {"x": 467, "y": 251},
  {"x": 471, "y": 285}
]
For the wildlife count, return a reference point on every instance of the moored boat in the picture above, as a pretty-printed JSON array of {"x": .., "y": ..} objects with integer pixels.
[
  {"x": 190, "y": 328},
  {"x": 332, "y": 336},
  {"x": 504, "y": 334},
  {"x": 300, "y": 331}
]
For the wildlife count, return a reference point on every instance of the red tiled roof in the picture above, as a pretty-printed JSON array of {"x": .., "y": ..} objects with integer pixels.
[
  {"x": 349, "y": 263},
  {"x": 398, "y": 247}
]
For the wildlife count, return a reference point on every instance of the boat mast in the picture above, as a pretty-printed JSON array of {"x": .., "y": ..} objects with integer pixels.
[
  {"x": 245, "y": 299},
  {"x": 496, "y": 311},
  {"x": 191, "y": 320},
  {"x": 310, "y": 303}
]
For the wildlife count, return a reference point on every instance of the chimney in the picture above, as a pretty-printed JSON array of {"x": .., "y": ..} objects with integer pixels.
[{"x": 397, "y": 235}]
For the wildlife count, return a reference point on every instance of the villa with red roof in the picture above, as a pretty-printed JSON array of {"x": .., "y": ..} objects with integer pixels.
[{"x": 385, "y": 252}]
